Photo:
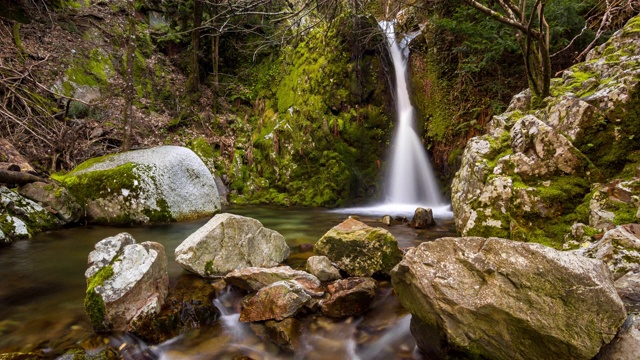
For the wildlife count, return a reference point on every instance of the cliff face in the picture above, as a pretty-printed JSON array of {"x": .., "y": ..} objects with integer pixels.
[{"x": 572, "y": 159}]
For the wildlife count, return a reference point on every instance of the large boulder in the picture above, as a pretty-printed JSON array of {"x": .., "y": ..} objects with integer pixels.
[
  {"x": 535, "y": 167},
  {"x": 359, "y": 249},
  {"x": 126, "y": 282},
  {"x": 277, "y": 301},
  {"x": 501, "y": 299},
  {"x": 228, "y": 242},
  {"x": 349, "y": 297},
  {"x": 167, "y": 183},
  {"x": 20, "y": 217}
]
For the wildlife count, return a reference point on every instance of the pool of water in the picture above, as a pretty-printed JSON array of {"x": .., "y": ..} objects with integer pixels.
[{"x": 42, "y": 288}]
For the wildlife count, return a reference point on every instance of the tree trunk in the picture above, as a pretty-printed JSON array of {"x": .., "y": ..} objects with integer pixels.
[
  {"x": 18, "y": 177},
  {"x": 128, "y": 90},
  {"x": 194, "y": 78}
]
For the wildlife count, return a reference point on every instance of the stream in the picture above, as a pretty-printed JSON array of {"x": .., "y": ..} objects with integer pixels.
[{"x": 42, "y": 288}]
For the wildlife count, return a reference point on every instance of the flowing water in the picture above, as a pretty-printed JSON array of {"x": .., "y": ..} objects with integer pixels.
[
  {"x": 410, "y": 179},
  {"x": 42, "y": 289}
]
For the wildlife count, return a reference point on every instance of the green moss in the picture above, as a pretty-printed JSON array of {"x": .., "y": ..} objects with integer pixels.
[
  {"x": 93, "y": 303},
  {"x": 201, "y": 147},
  {"x": 160, "y": 215},
  {"x": 208, "y": 268}
]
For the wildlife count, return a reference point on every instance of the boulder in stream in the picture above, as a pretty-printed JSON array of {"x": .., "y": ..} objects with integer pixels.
[
  {"x": 358, "y": 249},
  {"x": 422, "y": 218},
  {"x": 277, "y": 301},
  {"x": 162, "y": 184},
  {"x": 322, "y": 268},
  {"x": 255, "y": 278},
  {"x": 126, "y": 282},
  {"x": 502, "y": 299},
  {"x": 228, "y": 242},
  {"x": 349, "y": 297}
]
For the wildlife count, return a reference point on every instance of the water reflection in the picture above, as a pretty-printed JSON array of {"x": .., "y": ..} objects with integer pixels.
[{"x": 43, "y": 287}]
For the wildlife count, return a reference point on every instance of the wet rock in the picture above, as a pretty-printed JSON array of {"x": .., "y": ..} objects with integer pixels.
[
  {"x": 285, "y": 334},
  {"x": 349, "y": 297},
  {"x": 386, "y": 220},
  {"x": 162, "y": 184},
  {"x": 20, "y": 217},
  {"x": 619, "y": 248},
  {"x": 277, "y": 301},
  {"x": 228, "y": 242},
  {"x": 56, "y": 198},
  {"x": 321, "y": 267},
  {"x": 493, "y": 298},
  {"x": 126, "y": 281},
  {"x": 255, "y": 278},
  {"x": 359, "y": 249},
  {"x": 626, "y": 344},
  {"x": 422, "y": 218},
  {"x": 188, "y": 306}
]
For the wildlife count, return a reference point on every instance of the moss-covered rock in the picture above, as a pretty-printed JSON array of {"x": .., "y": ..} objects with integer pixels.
[
  {"x": 21, "y": 217},
  {"x": 146, "y": 186},
  {"x": 359, "y": 249}
]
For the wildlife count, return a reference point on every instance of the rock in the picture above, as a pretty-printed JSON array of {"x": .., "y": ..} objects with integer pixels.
[
  {"x": 502, "y": 299},
  {"x": 349, "y": 297},
  {"x": 188, "y": 306},
  {"x": 55, "y": 197},
  {"x": 125, "y": 282},
  {"x": 626, "y": 344},
  {"x": 613, "y": 203},
  {"x": 520, "y": 102},
  {"x": 254, "y": 278},
  {"x": 321, "y": 267},
  {"x": 228, "y": 242},
  {"x": 277, "y": 301},
  {"x": 386, "y": 220},
  {"x": 21, "y": 218},
  {"x": 359, "y": 249},
  {"x": 628, "y": 287},
  {"x": 161, "y": 184},
  {"x": 422, "y": 218},
  {"x": 285, "y": 334},
  {"x": 619, "y": 248},
  {"x": 223, "y": 192}
]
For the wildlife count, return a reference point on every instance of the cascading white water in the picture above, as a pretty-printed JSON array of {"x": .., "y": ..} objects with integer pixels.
[{"x": 410, "y": 179}]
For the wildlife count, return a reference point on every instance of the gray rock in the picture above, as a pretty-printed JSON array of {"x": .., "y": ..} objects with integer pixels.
[
  {"x": 321, "y": 267},
  {"x": 619, "y": 248},
  {"x": 422, "y": 218},
  {"x": 277, "y": 301},
  {"x": 125, "y": 282},
  {"x": 167, "y": 183},
  {"x": 55, "y": 197},
  {"x": 20, "y": 217},
  {"x": 255, "y": 278},
  {"x": 229, "y": 242},
  {"x": 628, "y": 287},
  {"x": 359, "y": 249},
  {"x": 626, "y": 344},
  {"x": 502, "y": 299}
]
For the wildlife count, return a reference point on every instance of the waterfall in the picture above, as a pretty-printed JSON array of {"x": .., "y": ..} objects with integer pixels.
[{"x": 410, "y": 179}]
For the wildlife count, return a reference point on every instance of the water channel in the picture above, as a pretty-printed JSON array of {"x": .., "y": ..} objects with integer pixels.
[{"x": 42, "y": 290}]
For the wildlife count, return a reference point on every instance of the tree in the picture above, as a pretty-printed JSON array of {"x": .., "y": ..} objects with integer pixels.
[
  {"x": 128, "y": 89},
  {"x": 532, "y": 35}
]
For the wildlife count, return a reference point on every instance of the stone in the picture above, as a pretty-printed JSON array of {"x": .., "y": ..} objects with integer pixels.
[
  {"x": 55, "y": 197},
  {"x": 277, "y": 301},
  {"x": 520, "y": 101},
  {"x": 188, "y": 306},
  {"x": 422, "y": 218},
  {"x": 359, "y": 249},
  {"x": 628, "y": 287},
  {"x": 321, "y": 267},
  {"x": 126, "y": 281},
  {"x": 386, "y": 220},
  {"x": 349, "y": 297},
  {"x": 20, "y": 217},
  {"x": 285, "y": 334},
  {"x": 619, "y": 248},
  {"x": 501, "y": 299},
  {"x": 626, "y": 344},
  {"x": 161, "y": 184},
  {"x": 229, "y": 242},
  {"x": 255, "y": 278}
]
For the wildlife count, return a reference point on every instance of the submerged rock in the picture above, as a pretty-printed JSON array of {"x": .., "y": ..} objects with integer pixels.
[
  {"x": 229, "y": 242},
  {"x": 359, "y": 249},
  {"x": 502, "y": 299},
  {"x": 125, "y": 282},
  {"x": 349, "y": 297},
  {"x": 321, "y": 267},
  {"x": 285, "y": 334},
  {"x": 167, "y": 183}
]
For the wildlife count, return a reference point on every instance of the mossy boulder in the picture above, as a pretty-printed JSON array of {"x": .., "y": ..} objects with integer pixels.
[
  {"x": 125, "y": 282},
  {"x": 162, "y": 184},
  {"x": 358, "y": 249},
  {"x": 56, "y": 198},
  {"x": 20, "y": 217},
  {"x": 500, "y": 299},
  {"x": 530, "y": 177}
]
